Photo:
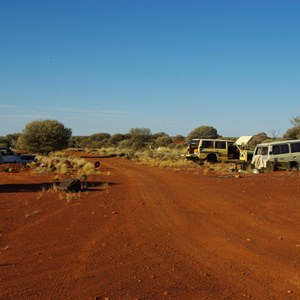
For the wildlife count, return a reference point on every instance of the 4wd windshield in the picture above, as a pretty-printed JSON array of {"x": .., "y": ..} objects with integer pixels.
[{"x": 193, "y": 144}]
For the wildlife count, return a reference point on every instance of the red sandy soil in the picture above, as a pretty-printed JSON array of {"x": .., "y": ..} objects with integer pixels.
[{"x": 140, "y": 232}]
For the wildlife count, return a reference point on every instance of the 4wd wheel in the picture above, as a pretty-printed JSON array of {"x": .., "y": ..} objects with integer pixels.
[{"x": 212, "y": 158}]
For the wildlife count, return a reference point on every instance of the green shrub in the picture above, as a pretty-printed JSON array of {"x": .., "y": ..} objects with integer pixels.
[{"x": 44, "y": 136}]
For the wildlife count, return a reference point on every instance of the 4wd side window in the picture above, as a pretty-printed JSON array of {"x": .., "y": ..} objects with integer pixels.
[
  {"x": 295, "y": 147},
  {"x": 221, "y": 145},
  {"x": 280, "y": 149},
  {"x": 207, "y": 144}
]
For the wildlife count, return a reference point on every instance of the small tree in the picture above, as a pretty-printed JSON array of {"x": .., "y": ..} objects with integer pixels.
[
  {"x": 10, "y": 140},
  {"x": 203, "y": 132},
  {"x": 4, "y": 141},
  {"x": 294, "y": 132},
  {"x": 100, "y": 137},
  {"x": 274, "y": 133},
  {"x": 179, "y": 138},
  {"x": 75, "y": 141},
  {"x": 116, "y": 138},
  {"x": 139, "y": 137},
  {"x": 98, "y": 140},
  {"x": 44, "y": 136},
  {"x": 163, "y": 141},
  {"x": 257, "y": 139},
  {"x": 296, "y": 121}
]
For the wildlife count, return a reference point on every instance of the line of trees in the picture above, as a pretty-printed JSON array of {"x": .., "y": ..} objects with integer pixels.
[{"x": 44, "y": 136}]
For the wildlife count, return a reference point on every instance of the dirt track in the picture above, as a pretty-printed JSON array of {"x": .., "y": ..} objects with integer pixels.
[{"x": 147, "y": 233}]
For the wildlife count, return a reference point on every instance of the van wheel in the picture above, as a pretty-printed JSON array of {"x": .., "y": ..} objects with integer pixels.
[
  {"x": 294, "y": 165},
  {"x": 212, "y": 158}
]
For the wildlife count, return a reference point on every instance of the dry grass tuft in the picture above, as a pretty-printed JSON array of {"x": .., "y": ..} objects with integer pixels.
[
  {"x": 164, "y": 158},
  {"x": 63, "y": 165},
  {"x": 88, "y": 168}
]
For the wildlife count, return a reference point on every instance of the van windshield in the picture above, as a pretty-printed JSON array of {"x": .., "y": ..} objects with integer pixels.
[{"x": 261, "y": 151}]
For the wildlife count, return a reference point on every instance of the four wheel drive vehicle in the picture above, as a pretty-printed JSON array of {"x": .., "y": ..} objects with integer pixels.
[
  {"x": 9, "y": 156},
  {"x": 280, "y": 154},
  {"x": 213, "y": 150}
]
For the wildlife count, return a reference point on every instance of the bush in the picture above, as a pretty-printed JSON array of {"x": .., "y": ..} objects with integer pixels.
[
  {"x": 203, "y": 132},
  {"x": 163, "y": 141},
  {"x": 292, "y": 133},
  {"x": 44, "y": 136},
  {"x": 138, "y": 138}
]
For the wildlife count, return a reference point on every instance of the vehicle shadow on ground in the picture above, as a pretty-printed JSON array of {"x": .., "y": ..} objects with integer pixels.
[
  {"x": 25, "y": 187},
  {"x": 90, "y": 186},
  {"x": 104, "y": 155}
]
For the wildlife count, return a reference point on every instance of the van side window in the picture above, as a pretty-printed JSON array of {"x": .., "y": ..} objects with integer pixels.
[
  {"x": 221, "y": 145},
  {"x": 207, "y": 144},
  {"x": 295, "y": 147},
  {"x": 280, "y": 149}
]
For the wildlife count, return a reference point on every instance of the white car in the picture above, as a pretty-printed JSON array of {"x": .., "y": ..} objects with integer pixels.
[{"x": 279, "y": 153}]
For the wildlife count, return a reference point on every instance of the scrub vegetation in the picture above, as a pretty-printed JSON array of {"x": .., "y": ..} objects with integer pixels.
[{"x": 47, "y": 137}]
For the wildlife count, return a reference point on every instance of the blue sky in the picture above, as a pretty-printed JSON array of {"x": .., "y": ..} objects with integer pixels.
[{"x": 167, "y": 65}]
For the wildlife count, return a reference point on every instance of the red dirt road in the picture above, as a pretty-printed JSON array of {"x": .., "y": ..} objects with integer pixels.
[{"x": 146, "y": 233}]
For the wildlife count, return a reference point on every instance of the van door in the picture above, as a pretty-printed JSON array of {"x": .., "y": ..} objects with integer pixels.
[
  {"x": 260, "y": 156},
  {"x": 220, "y": 147},
  {"x": 206, "y": 147},
  {"x": 280, "y": 153},
  {"x": 233, "y": 151},
  {"x": 295, "y": 149}
]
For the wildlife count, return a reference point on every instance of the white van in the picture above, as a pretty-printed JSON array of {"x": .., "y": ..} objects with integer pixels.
[{"x": 285, "y": 152}]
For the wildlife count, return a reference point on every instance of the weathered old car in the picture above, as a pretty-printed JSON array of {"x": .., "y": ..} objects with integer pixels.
[
  {"x": 9, "y": 156},
  {"x": 218, "y": 150}
]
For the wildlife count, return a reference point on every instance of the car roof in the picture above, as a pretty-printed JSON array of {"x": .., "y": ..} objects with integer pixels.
[{"x": 278, "y": 142}]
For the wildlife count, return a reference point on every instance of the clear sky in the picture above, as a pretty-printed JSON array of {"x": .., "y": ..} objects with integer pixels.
[{"x": 167, "y": 65}]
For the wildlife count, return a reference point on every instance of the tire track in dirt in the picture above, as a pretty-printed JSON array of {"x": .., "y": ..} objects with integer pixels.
[
  {"x": 80, "y": 261},
  {"x": 160, "y": 234},
  {"x": 75, "y": 269},
  {"x": 148, "y": 198},
  {"x": 194, "y": 230}
]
